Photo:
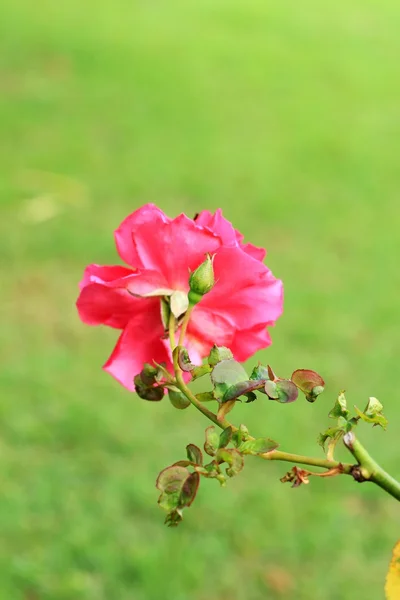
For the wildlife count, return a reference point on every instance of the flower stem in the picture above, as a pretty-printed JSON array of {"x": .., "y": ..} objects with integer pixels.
[
  {"x": 184, "y": 325},
  {"x": 180, "y": 383},
  {"x": 307, "y": 460},
  {"x": 171, "y": 331},
  {"x": 368, "y": 469}
]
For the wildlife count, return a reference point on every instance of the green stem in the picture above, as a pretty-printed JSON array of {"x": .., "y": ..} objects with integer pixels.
[
  {"x": 307, "y": 460},
  {"x": 180, "y": 383},
  {"x": 184, "y": 325},
  {"x": 368, "y": 469},
  {"x": 224, "y": 423}
]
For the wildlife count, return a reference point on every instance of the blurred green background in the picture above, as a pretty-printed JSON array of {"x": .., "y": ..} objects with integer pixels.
[{"x": 286, "y": 115}]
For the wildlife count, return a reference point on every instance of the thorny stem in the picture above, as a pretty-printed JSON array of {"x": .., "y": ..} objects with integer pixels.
[
  {"x": 224, "y": 423},
  {"x": 367, "y": 469}
]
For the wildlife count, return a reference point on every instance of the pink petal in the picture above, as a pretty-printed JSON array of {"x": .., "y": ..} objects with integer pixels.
[
  {"x": 207, "y": 328},
  {"x": 172, "y": 248},
  {"x": 229, "y": 236},
  {"x": 254, "y": 251},
  {"x": 142, "y": 283},
  {"x": 246, "y": 293},
  {"x": 140, "y": 342},
  {"x": 100, "y": 274},
  {"x": 247, "y": 342},
  {"x": 219, "y": 225},
  {"x": 107, "y": 294},
  {"x": 149, "y": 214},
  {"x": 100, "y": 304}
]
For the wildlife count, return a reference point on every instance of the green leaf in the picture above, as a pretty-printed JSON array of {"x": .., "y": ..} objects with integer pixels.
[
  {"x": 283, "y": 390},
  {"x": 225, "y": 437},
  {"x": 259, "y": 373},
  {"x": 309, "y": 382},
  {"x": 374, "y": 407},
  {"x": 170, "y": 483},
  {"x": 198, "y": 372},
  {"x": 251, "y": 396},
  {"x": 240, "y": 435},
  {"x": 173, "y": 518},
  {"x": 373, "y": 413},
  {"x": 217, "y": 354},
  {"x": 287, "y": 391},
  {"x": 306, "y": 380},
  {"x": 376, "y": 419},
  {"x": 345, "y": 424},
  {"x": 184, "y": 463},
  {"x": 184, "y": 360},
  {"x": 212, "y": 441},
  {"x": 213, "y": 471},
  {"x": 189, "y": 490},
  {"x": 178, "y": 399},
  {"x": 194, "y": 454},
  {"x": 330, "y": 433},
  {"x": 258, "y": 446},
  {"x": 271, "y": 390},
  {"x": 233, "y": 458},
  {"x": 178, "y": 489},
  {"x": 205, "y": 397},
  {"x": 171, "y": 479},
  {"x": 243, "y": 388},
  {"x": 340, "y": 408},
  {"x": 225, "y": 374}
]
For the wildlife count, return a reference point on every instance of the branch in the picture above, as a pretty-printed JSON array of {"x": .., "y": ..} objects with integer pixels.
[
  {"x": 324, "y": 463},
  {"x": 367, "y": 469}
]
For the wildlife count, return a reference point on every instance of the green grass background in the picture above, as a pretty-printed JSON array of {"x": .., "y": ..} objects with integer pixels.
[{"x": 285, "y": 114}]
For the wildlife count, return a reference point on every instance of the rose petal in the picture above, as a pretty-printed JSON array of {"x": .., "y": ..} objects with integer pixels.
[
  {"x": 172, "y": 248},
  {"x": 207, "y": 328},
  {"x": 219, "y": 225},
  {"x": 144, "y": 283},
  {"x": 246, "y": 293},
  {"x": 99, "y": 304},
  {"x": 248, "y": 341},
  {"x": 107, "y": 294},
  {"x": 149, "y": 214},
  {"x": 140, "y": 342},
  {"x": 229, "y": 236},
  {"x": 254, "y": 251},
  {"x": 101, "y": 274}
]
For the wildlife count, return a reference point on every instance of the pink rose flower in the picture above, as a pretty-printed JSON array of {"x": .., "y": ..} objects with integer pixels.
[{"x": 161, "y": 252}]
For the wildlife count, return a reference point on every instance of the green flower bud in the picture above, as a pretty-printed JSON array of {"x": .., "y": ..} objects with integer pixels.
[
  {"x": 217, "y": 354},
  {"x": 315, "y": 392},
  {"x": 178, "y": 400},
  {"x": 201, "y": 281}
]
